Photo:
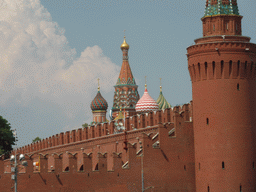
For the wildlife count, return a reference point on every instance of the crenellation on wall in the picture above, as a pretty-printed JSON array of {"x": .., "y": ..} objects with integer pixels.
[
  {"x": 79, "y": 134},
  {"x": 72, "y": 136},
  {"x": 146, "y": 120}
]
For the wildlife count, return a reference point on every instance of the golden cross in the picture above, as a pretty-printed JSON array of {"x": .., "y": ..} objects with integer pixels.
[
  {"x": 160, "y": 81},
  {"x": 124, "y": 33},
  {"x": 145, "y": 79},
  {"x": 98, "y": 82}
]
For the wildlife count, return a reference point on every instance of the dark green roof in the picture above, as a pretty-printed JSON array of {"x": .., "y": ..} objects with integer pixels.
[
  {"x": 221, "y": 8},
  {"x": 162, "y": 102}
]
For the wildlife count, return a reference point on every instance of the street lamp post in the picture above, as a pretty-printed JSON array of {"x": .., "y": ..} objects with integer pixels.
[
  {"x": 142, "y": 170},
  {"x": 14, "y": 158}
]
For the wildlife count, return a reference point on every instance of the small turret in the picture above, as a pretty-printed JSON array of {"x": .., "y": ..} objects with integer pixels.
[{"x": 99, "y": 107}]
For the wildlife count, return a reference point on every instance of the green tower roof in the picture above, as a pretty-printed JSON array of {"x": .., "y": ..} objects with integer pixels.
[
  {"x": 221, "y": 7},
  {"x": 162, "y": 102}
]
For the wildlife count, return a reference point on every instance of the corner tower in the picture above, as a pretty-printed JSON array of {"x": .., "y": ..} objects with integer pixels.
[
  {"x": 126, "y": 95},
  {"x": 223, "y": 74}
]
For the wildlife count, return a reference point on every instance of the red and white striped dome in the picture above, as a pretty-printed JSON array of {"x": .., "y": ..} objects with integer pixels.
[{"x": 146, "y": 103}]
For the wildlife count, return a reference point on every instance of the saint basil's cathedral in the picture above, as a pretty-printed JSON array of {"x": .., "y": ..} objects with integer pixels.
[{"x": 127, "y": 101}]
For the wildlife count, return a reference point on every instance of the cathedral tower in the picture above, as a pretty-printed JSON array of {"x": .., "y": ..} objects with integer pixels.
[
  {"x": 126, "y": 94},
  {"x": 223, "y": 74}
]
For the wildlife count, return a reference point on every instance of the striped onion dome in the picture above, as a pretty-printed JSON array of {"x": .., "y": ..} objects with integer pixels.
[
  {"x": 161, "y": 101},
  {"x": 99, "y": 103},
  {"x": 146, "y": 103}
]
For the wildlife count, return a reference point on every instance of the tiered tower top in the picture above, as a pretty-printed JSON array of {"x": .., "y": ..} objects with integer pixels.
[
  {"x": 125, "y": 76},
  {"x": 221, "y": 17},
  {"x": 126, "y": 94},
  {"x": 221, "y": 7}
]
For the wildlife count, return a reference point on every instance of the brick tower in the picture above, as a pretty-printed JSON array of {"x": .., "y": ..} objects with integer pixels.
[
  {"x": 222, "y": 70},
  {"x": 126, "y": 94}
]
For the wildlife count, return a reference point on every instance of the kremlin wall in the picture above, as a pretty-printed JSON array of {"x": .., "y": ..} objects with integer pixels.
[{"x": 207, "y": 145}]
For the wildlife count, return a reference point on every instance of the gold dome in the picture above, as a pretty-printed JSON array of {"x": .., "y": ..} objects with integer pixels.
[{"x": 124, "y": 45}]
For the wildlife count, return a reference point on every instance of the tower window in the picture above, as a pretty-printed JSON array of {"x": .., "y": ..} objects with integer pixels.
[
  {"x": 205, "y": 65},
  {"x": 230, "y": 67},
  {"x": 238, "y": 68},
  {"x": 199, "y": 69},
  {"x": 238, "y": 87},
  {"x": 213, "y": 67},
  {"x": 213, "y": 27},
  {"x": 222, "y": 67},
  {"x": 208, "y": 189},
  {"x": 223, "y": 165},
  {"x": 185, "y": 167},
  {"x": 207, "y": 121},
  {"x": 227, "y": 26},
  {"x": 240, "y": 188}
]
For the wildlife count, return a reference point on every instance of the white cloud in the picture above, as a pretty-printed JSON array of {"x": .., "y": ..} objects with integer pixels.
[{"x": 36, "y": 61}]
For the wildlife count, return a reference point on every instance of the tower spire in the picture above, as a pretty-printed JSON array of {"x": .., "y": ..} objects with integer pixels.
[
  {"x": 126, "y": 94},
  {"x": 160, "y": 85},
  {"x": 145, "y": 82},
  {"x": 98, "y": 84}
]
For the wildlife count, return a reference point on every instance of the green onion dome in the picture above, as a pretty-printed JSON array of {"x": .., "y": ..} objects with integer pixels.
[
  {"x": 99, "y": 103},
  {"x": 162, "y": 102}
]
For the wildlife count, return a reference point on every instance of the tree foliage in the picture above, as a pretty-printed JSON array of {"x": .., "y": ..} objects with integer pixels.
[
  {"x": 85, "y": 125},
  {"x": 36, "y": 139},
  {"x": 6, "y": 136}
]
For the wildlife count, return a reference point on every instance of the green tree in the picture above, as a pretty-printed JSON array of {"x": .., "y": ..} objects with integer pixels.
[
  {"x": 6, "y": 136},
  {"x": 36, "y": 139},
  {"x": 85, "y": 125}
]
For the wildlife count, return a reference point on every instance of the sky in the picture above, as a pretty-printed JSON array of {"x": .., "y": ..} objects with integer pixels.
[{"x": 53, "y": 51}]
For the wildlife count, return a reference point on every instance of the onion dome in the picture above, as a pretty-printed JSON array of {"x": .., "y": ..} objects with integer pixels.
[
  {"x": 124, "y": 45},
  {"x": 162, "y": 102},
  {"x": 146, "y": 103},
  {"x": 99, "y": 103}
]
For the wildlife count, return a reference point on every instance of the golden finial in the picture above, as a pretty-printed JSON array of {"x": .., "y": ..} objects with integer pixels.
[
  {"x": 145, "y": 82},
  {"x": 124, "y": 45},
  {"x": 98, "y": 84},
  {"x": 160, "y": 84}
]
